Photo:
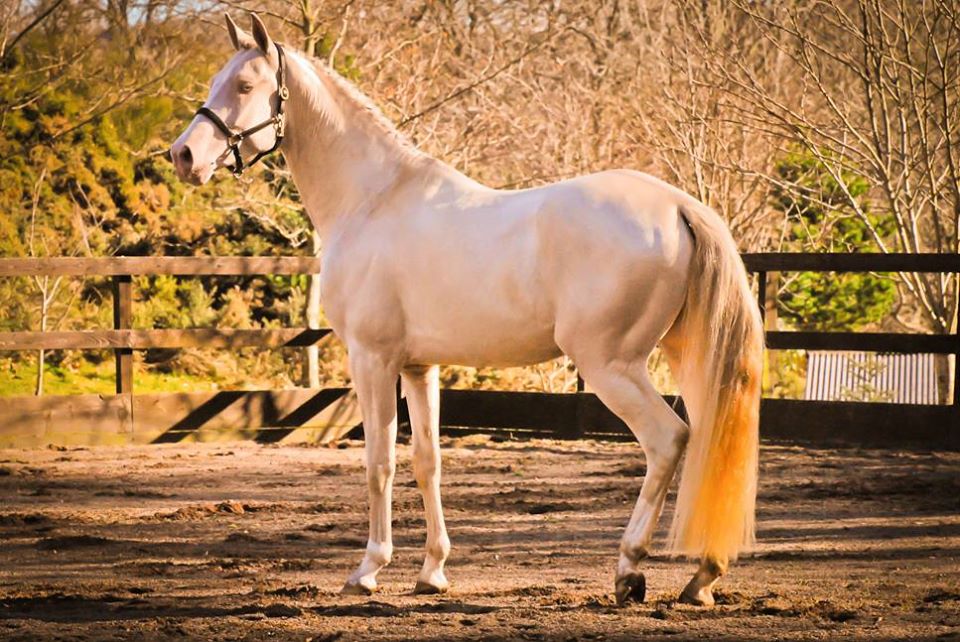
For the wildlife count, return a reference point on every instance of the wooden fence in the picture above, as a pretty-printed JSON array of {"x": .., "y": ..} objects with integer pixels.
[{"x": 303, "y": 414}]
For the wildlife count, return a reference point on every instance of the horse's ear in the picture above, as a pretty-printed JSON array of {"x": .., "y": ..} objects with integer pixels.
[
  {"x": 260, "y": 34},
  {"x": 240, "y": 38}
]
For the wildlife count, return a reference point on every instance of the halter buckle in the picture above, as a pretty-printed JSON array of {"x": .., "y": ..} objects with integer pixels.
[{"x": 283, "y": 92}]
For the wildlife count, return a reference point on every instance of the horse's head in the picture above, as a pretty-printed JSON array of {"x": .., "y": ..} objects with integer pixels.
[{"x": 243, "y": 116}]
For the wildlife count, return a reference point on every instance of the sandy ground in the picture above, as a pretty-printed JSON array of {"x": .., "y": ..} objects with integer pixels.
[{"x": 253, "y": 542}]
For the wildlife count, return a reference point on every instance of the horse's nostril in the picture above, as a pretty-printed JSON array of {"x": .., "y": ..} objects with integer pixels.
[{"x": 186, "y": 156}]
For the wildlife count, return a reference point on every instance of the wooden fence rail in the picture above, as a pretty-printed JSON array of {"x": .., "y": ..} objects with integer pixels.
[
  {"x": 147, "y": 339},
  {"x": 160, "y": 266},
  {"x": 282, "y": 414}
]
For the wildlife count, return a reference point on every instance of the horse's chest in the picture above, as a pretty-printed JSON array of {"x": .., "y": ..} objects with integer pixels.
[{"x": 360, "y": 301}]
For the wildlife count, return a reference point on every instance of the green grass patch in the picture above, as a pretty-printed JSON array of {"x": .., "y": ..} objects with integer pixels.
[{"x": 84, "y": 377}]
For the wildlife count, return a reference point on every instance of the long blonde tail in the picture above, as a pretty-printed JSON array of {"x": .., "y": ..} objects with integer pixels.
[{"x": 720, "y": 370}]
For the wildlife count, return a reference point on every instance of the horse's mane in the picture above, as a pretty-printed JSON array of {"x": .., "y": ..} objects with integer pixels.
[{"x": 361, "y": 101}]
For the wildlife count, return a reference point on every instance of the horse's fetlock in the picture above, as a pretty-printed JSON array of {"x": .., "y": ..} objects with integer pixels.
[
  {"x": 632, "y": 552},
  {"x": 715, "y": 566},
  {"x": 440, "y": 549},
  {"x": 380, "y": 553}
]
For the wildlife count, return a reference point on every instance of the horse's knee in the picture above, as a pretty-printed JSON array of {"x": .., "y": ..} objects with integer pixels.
[
  {"x": 380, "y": 476},
  {"x": 426, "y": 464},
  {"x": 425, "y": 472}
]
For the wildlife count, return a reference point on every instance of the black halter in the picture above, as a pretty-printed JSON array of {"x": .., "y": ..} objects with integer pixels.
[{"x": 235, "y": 139}]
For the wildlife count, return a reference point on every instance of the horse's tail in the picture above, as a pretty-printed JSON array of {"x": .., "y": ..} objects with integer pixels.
[{"x": 721, "y": 355}]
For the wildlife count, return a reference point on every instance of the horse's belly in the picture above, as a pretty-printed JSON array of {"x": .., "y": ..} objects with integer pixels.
[{"x": 461, "y": 338}]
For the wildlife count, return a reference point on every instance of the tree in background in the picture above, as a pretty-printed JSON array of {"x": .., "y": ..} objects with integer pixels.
[
  {"x": 91, "y": 96},
  {"x": 818, "y": 219},
  {"x": 878, "y": 95}
]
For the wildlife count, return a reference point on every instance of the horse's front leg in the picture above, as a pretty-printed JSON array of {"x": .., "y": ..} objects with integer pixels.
[
  {"x": 421, "y": 385},
  {"x": 374, "y": 379}
]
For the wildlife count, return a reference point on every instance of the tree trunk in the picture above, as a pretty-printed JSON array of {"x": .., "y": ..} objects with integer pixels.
[
  {"x": 41, "y": 359},
  {"x": 42, "y": 356}
]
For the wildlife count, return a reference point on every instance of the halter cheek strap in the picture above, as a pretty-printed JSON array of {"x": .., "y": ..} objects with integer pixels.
[{"x": 278, "y": 121}]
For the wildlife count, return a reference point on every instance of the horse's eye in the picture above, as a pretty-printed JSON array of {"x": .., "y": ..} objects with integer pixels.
[{"x": 246, "y": 88}]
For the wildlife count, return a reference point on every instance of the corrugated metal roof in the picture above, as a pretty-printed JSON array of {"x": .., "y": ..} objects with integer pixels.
[{"x": 867, "y": 376}]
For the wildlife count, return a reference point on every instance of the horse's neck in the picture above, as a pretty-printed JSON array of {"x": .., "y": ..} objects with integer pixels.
[{"x": 343, "y": 161}]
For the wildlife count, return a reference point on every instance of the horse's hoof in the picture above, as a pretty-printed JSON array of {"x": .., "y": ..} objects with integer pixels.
[
  {"x": 425, "y": 588},
  {"x": 631, "y": 588},
  {"x": 357, "y": 589},
  {"x": 703, "y": 597}
]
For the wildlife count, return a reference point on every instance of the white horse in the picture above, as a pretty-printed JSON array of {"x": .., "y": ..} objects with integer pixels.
[{"x": 424, "y": 266}]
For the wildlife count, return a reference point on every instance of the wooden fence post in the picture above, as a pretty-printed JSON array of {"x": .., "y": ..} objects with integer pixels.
[
  {"x": 122, "y": 320},
  {"x": 580, "y": 419},
  {"x": 956, "y": 375},
  {"x": 762, "y": 294}
]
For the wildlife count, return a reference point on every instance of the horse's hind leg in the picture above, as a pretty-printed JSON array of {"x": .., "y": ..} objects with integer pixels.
[
  {"x": 421, "y": 385},
  {"x": 629, "y": 393}
]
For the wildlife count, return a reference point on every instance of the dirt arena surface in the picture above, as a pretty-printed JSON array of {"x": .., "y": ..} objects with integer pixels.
[{"x": 253, "y": 542}]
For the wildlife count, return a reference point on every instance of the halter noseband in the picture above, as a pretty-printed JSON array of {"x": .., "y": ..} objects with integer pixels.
[{"x": 278, "y": 120}]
